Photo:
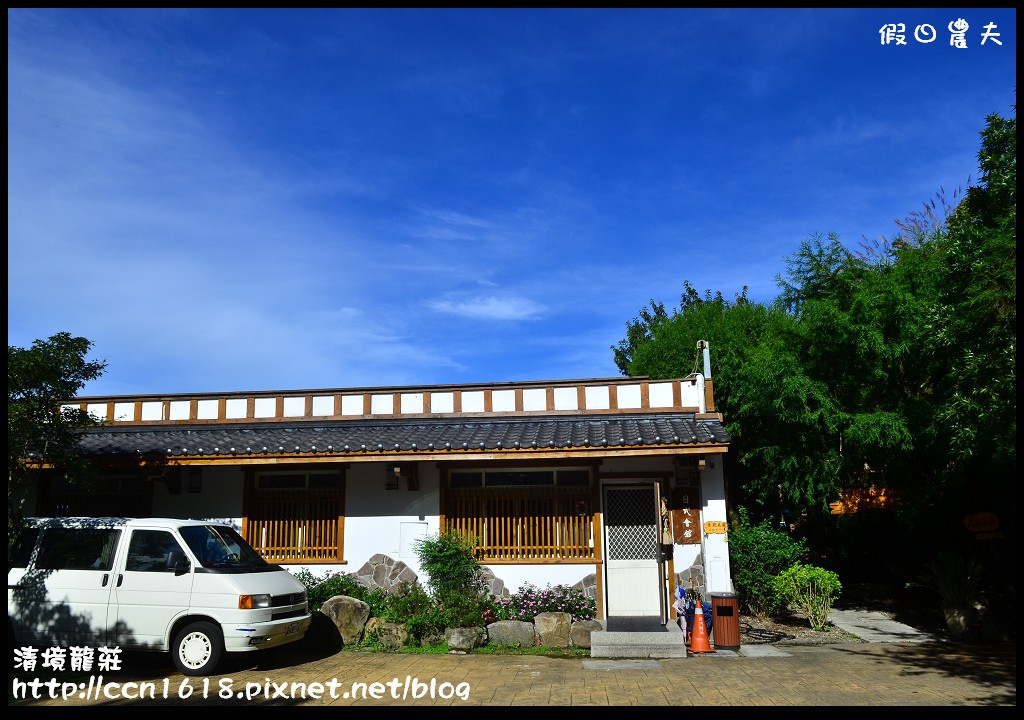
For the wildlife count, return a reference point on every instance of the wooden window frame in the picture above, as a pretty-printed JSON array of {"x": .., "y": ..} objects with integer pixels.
[
  {"x": 525, "y": 524},
  {"x": 289, "y": 526}
]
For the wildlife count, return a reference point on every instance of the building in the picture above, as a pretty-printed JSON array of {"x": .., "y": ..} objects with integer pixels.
[{"x": 615, "y": 485}]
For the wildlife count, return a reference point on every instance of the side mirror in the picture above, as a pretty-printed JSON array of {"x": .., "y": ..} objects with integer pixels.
[{"x": 177, "y": 562}]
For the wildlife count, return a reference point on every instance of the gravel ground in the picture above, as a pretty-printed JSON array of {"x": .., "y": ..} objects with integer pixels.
[
  {"x": 794, "y": 628},
  {"x": 790, "y": 630}
]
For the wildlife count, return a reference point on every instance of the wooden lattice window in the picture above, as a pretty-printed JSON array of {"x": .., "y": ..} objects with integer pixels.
[
  {"x": 531, "y": 516},
  {"x": 296, "y": 517}
]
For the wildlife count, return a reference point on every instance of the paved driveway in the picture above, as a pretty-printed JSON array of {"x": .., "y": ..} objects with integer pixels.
[{"x": 923, "y": 673}]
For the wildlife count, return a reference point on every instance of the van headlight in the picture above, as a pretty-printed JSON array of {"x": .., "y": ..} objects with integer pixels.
[{"x": 253, "y": 602}]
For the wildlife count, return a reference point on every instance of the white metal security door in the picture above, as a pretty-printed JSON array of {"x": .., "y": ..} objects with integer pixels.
[{"x": 631, "y": 551}]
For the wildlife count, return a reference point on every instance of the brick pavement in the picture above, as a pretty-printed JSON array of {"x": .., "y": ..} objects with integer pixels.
[{"x": 856, "y": 674}]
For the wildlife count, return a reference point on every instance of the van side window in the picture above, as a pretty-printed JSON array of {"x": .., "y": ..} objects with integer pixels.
[
  {"x": 20, "y": 551},
  {"x": 149, "y": 551},
  {"x": 77, "y": 549}
]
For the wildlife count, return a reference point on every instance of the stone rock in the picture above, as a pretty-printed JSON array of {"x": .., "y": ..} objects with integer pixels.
[
  {"x": 349, "y": 615},
  {"x": 579, "y": 633},
  {"x": 495, "y": 585},
  {"x": 432, "y": 639},
  {"x": 371, "y": 625},
  {"x": 392, "y": 635},
  {"x": 692, "y": 578},
  {"x": 588, "y": 586},
  {"x": 385, "y": 573},
  {"x": 464, "y": 639},
  {"x": 553, "y": 628},
  {"x": 515, "y": 633},
  {"x": 322, "y": 635}
]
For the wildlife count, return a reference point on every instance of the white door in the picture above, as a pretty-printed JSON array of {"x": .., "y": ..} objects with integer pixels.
[
  {"x": 631, "y": 551},
  {"x": 148, "y": 595}
]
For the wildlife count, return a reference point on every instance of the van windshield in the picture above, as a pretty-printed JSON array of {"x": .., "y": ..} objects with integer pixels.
[{"x": 220, "y": 546}]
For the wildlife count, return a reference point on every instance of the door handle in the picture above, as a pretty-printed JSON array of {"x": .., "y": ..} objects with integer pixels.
[
  {"x": 120, "y": 578},
  {"x": 106, "y": 577}
]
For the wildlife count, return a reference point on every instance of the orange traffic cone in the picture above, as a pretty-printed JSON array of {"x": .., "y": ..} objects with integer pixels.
[{"x": 699, "y": 640}]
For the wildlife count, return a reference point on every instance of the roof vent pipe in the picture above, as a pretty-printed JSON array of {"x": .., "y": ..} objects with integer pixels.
[
  {"x": 703, "y": 345},
  {"x": 709, "y": 386}
]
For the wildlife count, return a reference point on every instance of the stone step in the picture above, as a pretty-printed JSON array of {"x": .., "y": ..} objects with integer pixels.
[{"x": 668, "y": 644}]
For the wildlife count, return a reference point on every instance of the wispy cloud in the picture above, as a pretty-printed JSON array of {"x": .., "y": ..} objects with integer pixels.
[{"x": 489, "y": 307}]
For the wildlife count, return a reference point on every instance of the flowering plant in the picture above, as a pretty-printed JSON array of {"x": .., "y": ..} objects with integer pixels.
[{"x": 530, "y": 601}]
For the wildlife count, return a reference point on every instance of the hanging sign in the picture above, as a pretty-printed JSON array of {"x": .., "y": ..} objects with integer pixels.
[
  {"x": 984, "y": 525},
  {"x": 686, "y": 515},
  {"x": 853, "y": 500},
  {"x": 981, "y": 522}
]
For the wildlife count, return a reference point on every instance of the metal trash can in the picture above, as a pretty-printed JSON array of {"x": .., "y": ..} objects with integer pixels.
[{"x": 725, "y": 613}]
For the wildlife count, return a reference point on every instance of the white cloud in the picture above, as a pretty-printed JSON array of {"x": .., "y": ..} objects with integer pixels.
[{"x": 490, "y": 307}]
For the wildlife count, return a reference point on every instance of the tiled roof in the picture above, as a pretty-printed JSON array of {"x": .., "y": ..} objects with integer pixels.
[{"x": 441, "y": 436}]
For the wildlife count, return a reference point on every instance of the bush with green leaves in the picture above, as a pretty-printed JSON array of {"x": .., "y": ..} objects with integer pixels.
[
  {"x": 321, "y": 588},
  {"x": 411, "y": 604},
  {"x": 811, "y": 588},
  {"x": 466, "y": 610},
  {"x": 455, "y": 579},
  {"x": 449, "y": 559},
  {"x": 530, "y": 601},
  {"x": 430, "y": 622},
  {"x": 403, "y": 602},
  {"x": 759, "y": 553},
  {"x": 955, "y": 578}
]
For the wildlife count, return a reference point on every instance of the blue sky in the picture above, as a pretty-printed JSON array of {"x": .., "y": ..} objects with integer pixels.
[{"x": 225, "y": 200}]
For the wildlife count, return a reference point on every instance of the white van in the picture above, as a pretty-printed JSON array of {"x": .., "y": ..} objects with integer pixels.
[{"x": 191, "y": 587}]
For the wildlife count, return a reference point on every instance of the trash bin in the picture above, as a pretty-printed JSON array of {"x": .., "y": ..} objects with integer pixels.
[{"x": 725, "y": 613}]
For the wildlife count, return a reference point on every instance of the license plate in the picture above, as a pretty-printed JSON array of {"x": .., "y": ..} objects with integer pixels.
[{"x": 292, "y": 629}]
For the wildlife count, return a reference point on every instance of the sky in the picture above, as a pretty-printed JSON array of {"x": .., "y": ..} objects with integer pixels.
[{"x": 231, "y": 200}]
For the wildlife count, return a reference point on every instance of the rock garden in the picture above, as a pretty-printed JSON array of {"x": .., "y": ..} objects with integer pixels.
[{"x": 461, "y": 608}]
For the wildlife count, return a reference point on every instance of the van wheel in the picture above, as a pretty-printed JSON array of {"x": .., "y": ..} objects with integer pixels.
[{"x": 198, "y": 649}]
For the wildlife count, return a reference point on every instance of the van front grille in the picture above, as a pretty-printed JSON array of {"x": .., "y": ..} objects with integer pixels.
[
  {"x": 298, "y": 598},
  {"x": 284, "y": 615}
]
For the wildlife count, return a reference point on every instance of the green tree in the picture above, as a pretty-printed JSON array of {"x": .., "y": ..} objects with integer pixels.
[
  {"x": 783, "y": 421},
  {"x": 892, "y": 366},
  {"x": 758, "y": 554},
  {"x": 39, "y": 434}
]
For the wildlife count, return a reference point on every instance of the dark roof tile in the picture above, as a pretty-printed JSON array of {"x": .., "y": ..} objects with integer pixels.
[{"x": 440, "y": 435}]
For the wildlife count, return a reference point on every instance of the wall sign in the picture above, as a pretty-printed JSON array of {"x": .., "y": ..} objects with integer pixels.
[{"x": 686, "y": 515}]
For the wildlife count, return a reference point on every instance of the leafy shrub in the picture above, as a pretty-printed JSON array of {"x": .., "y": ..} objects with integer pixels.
[
  {"x": 379, "y": 601},
  {"x": 530, "y": 601},
  {"x": 811, "y": 588},
  {"x": 466, "y": 610},
  {"x": 955, "y": 578},
  {"x": 449, "y": 559},
  {"x": 403, "y": 602},
  {"x": 320, "y": 589},
  {"x": 758, "y": 554},
  {"x": 455, "y": 579},
  {"x": 427, "y": 623}
]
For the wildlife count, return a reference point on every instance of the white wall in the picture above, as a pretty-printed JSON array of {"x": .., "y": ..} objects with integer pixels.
[
  {"x": 388, "y": 521},
  {"x": 717, "y": 574},
  {"x": 376, "y": 518},
  {"x": 219, "y": 499}
]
